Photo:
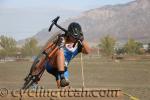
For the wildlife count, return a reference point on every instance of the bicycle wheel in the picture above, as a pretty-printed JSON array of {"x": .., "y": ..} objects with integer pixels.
[{"x": 30, "y": 79}]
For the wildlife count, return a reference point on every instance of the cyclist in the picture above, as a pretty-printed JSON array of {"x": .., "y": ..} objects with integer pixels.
[{"x": 57, "y": 65}]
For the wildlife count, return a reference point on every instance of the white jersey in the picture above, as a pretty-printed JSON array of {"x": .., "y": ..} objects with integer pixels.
[{"x": 70, "y": 52}]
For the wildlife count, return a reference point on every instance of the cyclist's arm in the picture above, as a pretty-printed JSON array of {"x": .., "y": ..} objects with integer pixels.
[{"x": 85, "y": 49}]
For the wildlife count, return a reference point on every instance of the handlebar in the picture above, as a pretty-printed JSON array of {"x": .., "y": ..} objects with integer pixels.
[{"x": 54, "y": 22}]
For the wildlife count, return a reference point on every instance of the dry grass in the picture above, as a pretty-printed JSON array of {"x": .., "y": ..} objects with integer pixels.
[{"x": 132, "y": 77}]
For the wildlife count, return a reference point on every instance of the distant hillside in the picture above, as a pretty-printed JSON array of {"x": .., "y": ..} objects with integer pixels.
[{"x": 131, "y": 20}]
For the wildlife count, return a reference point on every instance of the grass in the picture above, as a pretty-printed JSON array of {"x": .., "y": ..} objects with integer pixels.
[{"x": 131, "y": 76}]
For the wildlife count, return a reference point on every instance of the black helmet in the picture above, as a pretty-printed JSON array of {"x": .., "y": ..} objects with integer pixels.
[{"x": 74, "y": 30}]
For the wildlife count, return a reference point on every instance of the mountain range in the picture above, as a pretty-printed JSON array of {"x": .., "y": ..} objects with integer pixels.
[{"x": 122, "y": 21}]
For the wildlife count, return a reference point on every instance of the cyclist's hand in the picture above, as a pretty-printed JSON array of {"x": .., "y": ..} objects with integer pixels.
[
  {"x": 81, "y": 38},
  {"x": 61, "y": 41}
]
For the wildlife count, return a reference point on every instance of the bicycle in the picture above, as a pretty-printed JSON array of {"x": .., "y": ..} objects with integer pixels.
[{"x": 49, "y": 50}]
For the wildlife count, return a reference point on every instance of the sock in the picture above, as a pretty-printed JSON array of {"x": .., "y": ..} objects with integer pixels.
[{"x": 61, "y": 73}]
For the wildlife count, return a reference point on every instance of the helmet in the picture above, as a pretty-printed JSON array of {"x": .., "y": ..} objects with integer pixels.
[{"x": 74, "y": 30}]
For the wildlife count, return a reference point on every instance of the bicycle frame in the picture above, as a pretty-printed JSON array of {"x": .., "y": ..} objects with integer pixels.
[{"x": 49, "y": 50}]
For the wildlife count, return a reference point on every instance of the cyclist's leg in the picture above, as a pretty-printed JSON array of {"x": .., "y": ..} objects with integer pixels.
[
  {"x": 62, "y": 82},
  {"x": 60, "y": 60},
  {"x": 52, "y": 70},
  {"x": 55, "y": 72}
]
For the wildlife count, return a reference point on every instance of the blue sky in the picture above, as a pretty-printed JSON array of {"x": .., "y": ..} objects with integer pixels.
[{"x": 24, "y": 18}]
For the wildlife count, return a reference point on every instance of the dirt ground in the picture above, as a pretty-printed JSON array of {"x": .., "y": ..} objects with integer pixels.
[{"x": 132, "y": 77}]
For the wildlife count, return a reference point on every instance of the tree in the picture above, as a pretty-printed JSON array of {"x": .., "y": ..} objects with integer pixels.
[
  {"x": 9, "y": 46},
  {"x": 132, "y": 47},
  {"x": 107, "y": 44},
  {"x": 30, "y": 48},
  {"x": 120, "y": 51},
  {"x": 148, "y": 48}
]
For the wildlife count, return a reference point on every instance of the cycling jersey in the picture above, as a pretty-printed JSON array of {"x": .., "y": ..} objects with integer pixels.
[{"x": 70, "y": 52}]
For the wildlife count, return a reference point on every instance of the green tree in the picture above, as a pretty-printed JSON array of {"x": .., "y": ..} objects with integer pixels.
[
  {"x": 132, "y": 47},
  {"x": 107, "y": 44},
  {"x": 120, "y": 51},
  {"x": 30, "y": 48},
  {"x": 148, "y": 48},
  {"x": 9, "y": 46}
]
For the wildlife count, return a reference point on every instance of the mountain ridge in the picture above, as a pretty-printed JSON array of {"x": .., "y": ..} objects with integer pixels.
[{"x": 123, "y": 21}]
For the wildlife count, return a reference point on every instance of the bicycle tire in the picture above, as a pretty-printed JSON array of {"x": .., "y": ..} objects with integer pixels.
[
  {"x": 30, "y": 76},
  {"x": 28, "y": 83}
]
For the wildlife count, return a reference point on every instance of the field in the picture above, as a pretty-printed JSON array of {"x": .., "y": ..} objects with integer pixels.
[{"x": 132, "y": 77}]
